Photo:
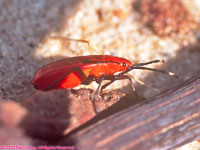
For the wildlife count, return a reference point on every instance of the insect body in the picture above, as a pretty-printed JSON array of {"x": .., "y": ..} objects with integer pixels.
[{"x": 71, "y": 72}]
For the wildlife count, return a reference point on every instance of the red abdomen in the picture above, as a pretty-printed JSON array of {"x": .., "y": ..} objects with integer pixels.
[
  {"x": 58, "y": 74},
  {"x": 56, "y": 79}
]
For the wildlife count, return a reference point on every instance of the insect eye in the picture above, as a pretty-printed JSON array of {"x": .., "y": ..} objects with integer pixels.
[{"x": 124, "y": 64}]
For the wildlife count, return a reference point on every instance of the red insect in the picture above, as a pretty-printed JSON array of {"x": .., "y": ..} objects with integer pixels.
[{"x": 71, "y": 72}]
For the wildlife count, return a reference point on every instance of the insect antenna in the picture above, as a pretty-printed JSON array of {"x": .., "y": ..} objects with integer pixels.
[
  {"x": 147, "y": 63},
  {"x": 158, "y": 70},
  {"x": 140, "y": 66}
]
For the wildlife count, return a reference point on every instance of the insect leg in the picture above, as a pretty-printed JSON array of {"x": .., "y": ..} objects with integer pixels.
[
  {"x": 121, "y": 77},
  {"x": 98, "y": 89},
  {"x": 79, "y": 71},
  {"x": 136, "y": 79},
  {"x": 142, "y": 83}
]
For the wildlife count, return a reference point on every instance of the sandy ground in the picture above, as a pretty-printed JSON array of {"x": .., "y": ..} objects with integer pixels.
[{"x": 112, "y": 27}]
